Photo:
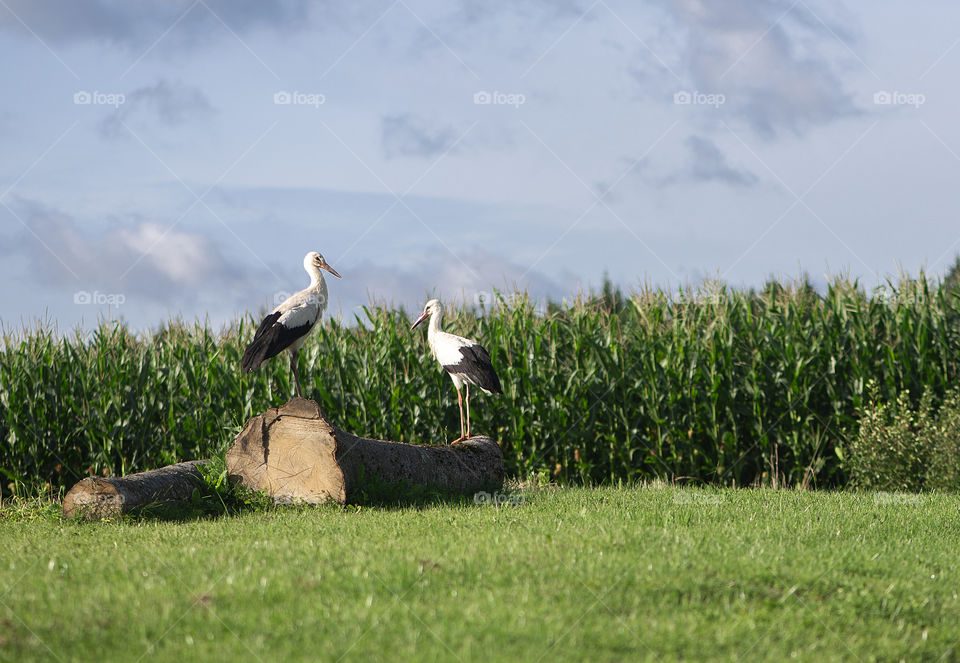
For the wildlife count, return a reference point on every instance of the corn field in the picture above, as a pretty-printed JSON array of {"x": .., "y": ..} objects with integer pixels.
[{"x": 710, "y": 384}]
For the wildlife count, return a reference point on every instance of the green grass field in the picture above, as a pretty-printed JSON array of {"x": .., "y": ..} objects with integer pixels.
[{"x": 574, "y": 574}]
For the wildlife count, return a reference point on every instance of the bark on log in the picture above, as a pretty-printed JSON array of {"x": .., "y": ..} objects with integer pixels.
[
  {"x": 293, "y": 453},
  {"x": 95, "y": 498}
]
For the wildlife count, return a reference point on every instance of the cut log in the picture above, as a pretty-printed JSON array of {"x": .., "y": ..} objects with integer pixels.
[
  {"x": 95, "y": 498},
  {"x": 293, "y": 453}
]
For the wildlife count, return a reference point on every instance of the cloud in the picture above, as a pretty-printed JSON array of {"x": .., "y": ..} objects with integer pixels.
[
  {"x": 139, "y": 256},
  {"x": 188, "y": 273},
  {"x": 710, "y": 164},
  {"x": 407, "y": 135},
  {"x": 173, "y": 104},
  {"x": 703, "y": 162},
  {"x": 769, "y": 59},
  {"x": 536, "y": 11},
  {"x": 140, "y": 24},
  {"x": 469, "y": 277}
]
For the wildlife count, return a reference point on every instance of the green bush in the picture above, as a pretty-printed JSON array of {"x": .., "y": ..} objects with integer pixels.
[
  {"x": 943, "y": 470},
  {"x": 905, "y": 446}
]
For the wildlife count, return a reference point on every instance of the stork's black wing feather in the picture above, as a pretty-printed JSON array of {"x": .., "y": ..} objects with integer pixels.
[
  {"x": 271, "y": 339},
  {"x": 266, "y": 323},
  {"x": 476, "y": 368}
]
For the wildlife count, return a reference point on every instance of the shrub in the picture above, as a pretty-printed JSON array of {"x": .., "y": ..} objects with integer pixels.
[{"x": 904, "y": 446}]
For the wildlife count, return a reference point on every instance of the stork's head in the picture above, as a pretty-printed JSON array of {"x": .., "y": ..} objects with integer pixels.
[
  {"x": 313, "y": 261},
  {"x": 431, "y": 307}
]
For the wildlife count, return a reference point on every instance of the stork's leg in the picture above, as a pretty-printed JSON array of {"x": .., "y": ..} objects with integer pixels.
[
  {"x": 460, "y": 402},
  {"x": 468, "y": 410},
  {"x": 293, "y": 367}
]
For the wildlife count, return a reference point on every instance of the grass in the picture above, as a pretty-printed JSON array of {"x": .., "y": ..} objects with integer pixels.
[
  {"x": 610, "y": 574},
  {"x": 731, "y": 387}
]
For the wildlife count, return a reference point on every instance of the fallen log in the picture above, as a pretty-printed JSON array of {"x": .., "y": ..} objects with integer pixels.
[
  {"x": 293, "y": 453},
  {"x": 95, "y": 498}
]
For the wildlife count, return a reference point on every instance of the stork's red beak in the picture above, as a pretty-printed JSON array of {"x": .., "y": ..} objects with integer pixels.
[
  {"x": 331, "y": 270},
  {"x": 426, "y": 314}
]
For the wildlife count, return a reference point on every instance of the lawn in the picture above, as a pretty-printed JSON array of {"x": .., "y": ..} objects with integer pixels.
[{"x": 565, "y": 574}]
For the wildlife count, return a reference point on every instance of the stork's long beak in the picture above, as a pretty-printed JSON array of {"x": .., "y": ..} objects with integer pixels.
[
  {"x": 426, "y": 314},
  {"x": 330, "y": 269}
]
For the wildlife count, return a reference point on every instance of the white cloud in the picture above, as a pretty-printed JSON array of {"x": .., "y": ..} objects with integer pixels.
[
  {"x": 771, "y": 60},
  {"x": 435, "y": 272},
  {"x": 183, "y": 258},
  {"x": 140, "y": 256}
]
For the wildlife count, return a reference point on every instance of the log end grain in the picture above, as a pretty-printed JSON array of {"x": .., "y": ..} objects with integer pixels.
[
  {"x": 94, "y": 498},
  {"x": 293, "y": 453},
  {"x": 288, "y": 453}
]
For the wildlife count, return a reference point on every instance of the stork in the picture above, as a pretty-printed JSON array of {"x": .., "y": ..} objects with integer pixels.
[
  {"x": 467, "y": 362},
  {"x": 287, "y": 326}
]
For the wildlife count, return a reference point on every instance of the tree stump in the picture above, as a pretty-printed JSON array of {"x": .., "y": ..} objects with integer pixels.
[
  {"x": 95, "y": 498},
  {"x": 293, "y": 453}
]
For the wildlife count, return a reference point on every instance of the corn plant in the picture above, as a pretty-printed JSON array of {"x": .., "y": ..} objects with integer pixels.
[{"x": 704, "y": 384}]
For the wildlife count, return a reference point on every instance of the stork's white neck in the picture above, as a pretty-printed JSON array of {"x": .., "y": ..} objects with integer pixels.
[
  {"x": 435, "y": 320},
  {"x": 433, "y": 330},
  {"x": 317, "y": 282}
]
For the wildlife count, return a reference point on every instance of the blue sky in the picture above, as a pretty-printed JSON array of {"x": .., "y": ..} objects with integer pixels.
[{"x": 180, "y": 157}]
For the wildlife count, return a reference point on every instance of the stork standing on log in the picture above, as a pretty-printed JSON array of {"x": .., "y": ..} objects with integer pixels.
[
  {"x": 287, "y": 326},
  {"x": 467, "y": 362}
]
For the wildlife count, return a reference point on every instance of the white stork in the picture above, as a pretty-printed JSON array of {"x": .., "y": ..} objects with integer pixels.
[
  {"x": 287, "y": 326},
  {"x": 465, "y": 360}
]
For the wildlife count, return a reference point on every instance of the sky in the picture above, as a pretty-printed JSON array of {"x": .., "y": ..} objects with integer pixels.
[{"x": 179, "y": 158}]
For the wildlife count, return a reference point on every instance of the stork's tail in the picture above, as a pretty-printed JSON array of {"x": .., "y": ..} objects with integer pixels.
[
  {"x": 259, "y": 350},
  {"x": 489, "y": 381},
  {"x": 254, "y": 355}
]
